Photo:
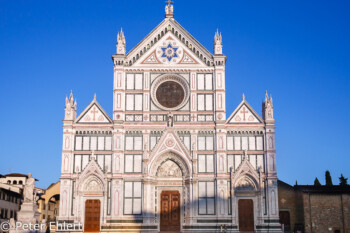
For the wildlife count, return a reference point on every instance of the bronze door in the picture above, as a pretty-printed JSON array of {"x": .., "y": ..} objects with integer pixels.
[
  {"x": 92, "y": 216},
  {"x": 170, "y": 211},
  {"x": 246, "y": 215}
]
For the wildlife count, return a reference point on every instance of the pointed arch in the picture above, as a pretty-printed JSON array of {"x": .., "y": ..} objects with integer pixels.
[
  {"x": 246, "y": 183},
  {"x": 174, "y": 157}
]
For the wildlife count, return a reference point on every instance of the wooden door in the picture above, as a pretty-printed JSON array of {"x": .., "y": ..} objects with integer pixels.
[
  {"x": 246, "y": 215},
  {"x": 92, "y": 216},
  {"x": 285, "y": 219},
  {"x": 170, "y": 211}
]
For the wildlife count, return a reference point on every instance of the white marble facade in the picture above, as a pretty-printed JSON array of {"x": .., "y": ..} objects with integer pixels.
[{"x": 169, "y": 132}]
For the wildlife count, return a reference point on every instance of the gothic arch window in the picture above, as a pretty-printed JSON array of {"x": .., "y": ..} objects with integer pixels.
[
  {"x": 176, "y": 33},
  {"x": 162, "y": 33}
]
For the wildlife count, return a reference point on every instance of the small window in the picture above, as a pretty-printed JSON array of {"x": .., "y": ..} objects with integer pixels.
[
  {"x": 132, "y": 198},
  {"x": 205, "y": 102},
  {"x": 133, "y": 163},
  {"x": 205, "y": 163},
  {"x": 206, "y": 197},
  {"x": 205, "y": 82},
  {"x": 133, "y": 142},
  {"x": 205, "y": 142},
  {"x": 134, "y": 81},
  {"x": 133, "y": 102},
  {"x": 186, "y": 139}
]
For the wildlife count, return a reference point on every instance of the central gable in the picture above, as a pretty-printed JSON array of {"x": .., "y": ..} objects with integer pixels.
[
  {"x": 169, "y": 44},
  {"x": 169, "y": 51}
]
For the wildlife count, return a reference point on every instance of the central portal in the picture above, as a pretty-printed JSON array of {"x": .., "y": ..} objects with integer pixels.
[{"x": 170, "y": 211}]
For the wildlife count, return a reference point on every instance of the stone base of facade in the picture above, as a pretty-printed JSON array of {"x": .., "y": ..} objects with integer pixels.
[{"x": 131, "y": 228}]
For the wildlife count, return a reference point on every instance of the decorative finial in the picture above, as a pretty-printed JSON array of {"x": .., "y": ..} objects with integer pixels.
[
  {"x": 169, "y": 9},
  {"x": 95, "y": 96},
  {"x": 217, "y": 42},
  {"x": 121, "y": 48},
  {"x": 243, "y": 97}
]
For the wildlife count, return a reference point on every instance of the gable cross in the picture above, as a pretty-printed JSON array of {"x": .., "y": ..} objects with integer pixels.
[
  {"x": 94, "y": 111},
  {"x": 244, "y": 111},
  {"x": 169, "y": 2}
]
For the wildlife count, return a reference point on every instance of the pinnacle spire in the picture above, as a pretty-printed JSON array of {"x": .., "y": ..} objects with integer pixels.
[
  {"x": 243, "y": 97},
  {"x": 217, "y": 42},
  {"x": 121, "y": 48}
]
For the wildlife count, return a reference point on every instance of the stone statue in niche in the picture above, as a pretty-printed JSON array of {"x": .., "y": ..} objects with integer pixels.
[{"x": 170, "y": 120}]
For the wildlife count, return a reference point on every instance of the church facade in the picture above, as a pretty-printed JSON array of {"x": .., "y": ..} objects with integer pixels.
[{"x": 169, "y": 159}]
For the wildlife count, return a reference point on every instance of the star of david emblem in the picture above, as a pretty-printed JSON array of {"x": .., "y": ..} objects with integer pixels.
[{"x": 169, "y": 52}]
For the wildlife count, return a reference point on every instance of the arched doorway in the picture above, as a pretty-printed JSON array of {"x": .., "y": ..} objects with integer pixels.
[
  {"x": 171, "y": 174},
  {"x": 246, "y": 215},
  {"x": 92, "y": 216}
]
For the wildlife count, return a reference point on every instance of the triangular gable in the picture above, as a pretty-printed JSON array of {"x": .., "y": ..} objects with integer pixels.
[
  {"x": 169, "y": 142},
  {"x": 244, "y": 113},
  {"x": 246, "y": 169},
  {"x": 92, "y": 168},
  {"x": 169, "y": 50},
  {"x": 166, "y": 28},
  {"x": 93, "y": 113},
  {"x": 151, "y": 59}
]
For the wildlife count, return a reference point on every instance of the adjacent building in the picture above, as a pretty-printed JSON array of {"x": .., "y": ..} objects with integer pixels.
[
  {"x": 49, "y": 202},
  {"x": 309, "y": 208},
  {"x": 10, "y": 197}
]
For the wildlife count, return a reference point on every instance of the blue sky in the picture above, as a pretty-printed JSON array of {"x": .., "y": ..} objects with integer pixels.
[{"x": 297, "y": 50}]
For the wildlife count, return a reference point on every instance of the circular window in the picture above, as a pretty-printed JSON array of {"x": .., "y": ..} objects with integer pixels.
[{"x": 170, "y": 94}]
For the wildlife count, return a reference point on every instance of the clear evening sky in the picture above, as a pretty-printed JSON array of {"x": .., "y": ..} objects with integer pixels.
[{"x": 297, "y": 50}]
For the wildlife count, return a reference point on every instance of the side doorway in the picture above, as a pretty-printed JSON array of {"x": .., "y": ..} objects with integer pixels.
[
  {"x": 92, "y": 216},
  {"x": 246, "y": 215}
]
